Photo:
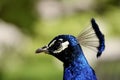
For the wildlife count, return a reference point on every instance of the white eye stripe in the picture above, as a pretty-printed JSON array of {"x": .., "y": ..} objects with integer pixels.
[
  {"x": 52, "y": 43},
  {"x": 61, "y": 39},
  {"x": 63, "y": 47}
]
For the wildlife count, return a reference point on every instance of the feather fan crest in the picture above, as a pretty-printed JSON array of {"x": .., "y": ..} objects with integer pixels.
[{"x": 92, "y": 38}]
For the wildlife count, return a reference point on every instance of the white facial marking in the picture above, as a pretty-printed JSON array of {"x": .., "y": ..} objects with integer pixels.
[
  {"x": 62, "y": 47},
  {"x": 52, "y": 43},
  {"x": 61, "y": 39}
]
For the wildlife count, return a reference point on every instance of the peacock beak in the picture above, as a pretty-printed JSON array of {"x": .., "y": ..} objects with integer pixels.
[{"x": 43, "y": 49}]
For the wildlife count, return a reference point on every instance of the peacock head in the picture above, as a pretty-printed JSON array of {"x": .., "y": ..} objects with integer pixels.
[{"x": 61, "y": 47}]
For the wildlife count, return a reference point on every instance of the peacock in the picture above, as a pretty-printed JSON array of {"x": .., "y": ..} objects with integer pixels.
[{"x": 68, "y": 49}]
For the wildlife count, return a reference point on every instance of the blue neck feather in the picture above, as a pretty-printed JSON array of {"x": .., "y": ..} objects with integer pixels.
[{"x": 78, "y": 68}]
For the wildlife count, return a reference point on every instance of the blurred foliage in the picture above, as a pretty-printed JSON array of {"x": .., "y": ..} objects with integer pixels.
[
  {"x": 102, "y": 6},
  {"x": 19, "y": 12},
  {"x": 23, "y": 64},
  {"x": 113, "y": 21},
  {"x": 108, "y": 70},
  {"x": 23, "y": 13}
]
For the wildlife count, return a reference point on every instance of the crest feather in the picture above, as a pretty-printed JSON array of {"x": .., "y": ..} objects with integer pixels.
[{"x": 92, "y": 38}]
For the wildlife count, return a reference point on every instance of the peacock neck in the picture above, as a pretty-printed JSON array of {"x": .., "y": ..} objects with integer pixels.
[
  {"x": 78, "y": 67},
  {"x": 76, "y": 58}
]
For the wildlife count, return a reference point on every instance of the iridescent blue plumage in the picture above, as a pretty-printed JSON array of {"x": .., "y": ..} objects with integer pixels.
[
  {"x": 67, "y": 48},
  {"x": 78, "y": 68}
]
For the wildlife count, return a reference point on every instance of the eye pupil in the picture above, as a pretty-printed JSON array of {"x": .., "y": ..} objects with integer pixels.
[{"x": 57, "y": 44}]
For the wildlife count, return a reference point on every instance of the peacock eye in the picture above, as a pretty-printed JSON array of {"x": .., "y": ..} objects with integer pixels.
[
  {"x": 54, "y": 45},
  {"x": 61, "y": 47},
  {"x": 57, "y": 46}
]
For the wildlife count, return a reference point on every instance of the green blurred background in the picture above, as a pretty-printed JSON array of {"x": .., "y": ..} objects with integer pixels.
[{"x": 26, "y": 25}]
